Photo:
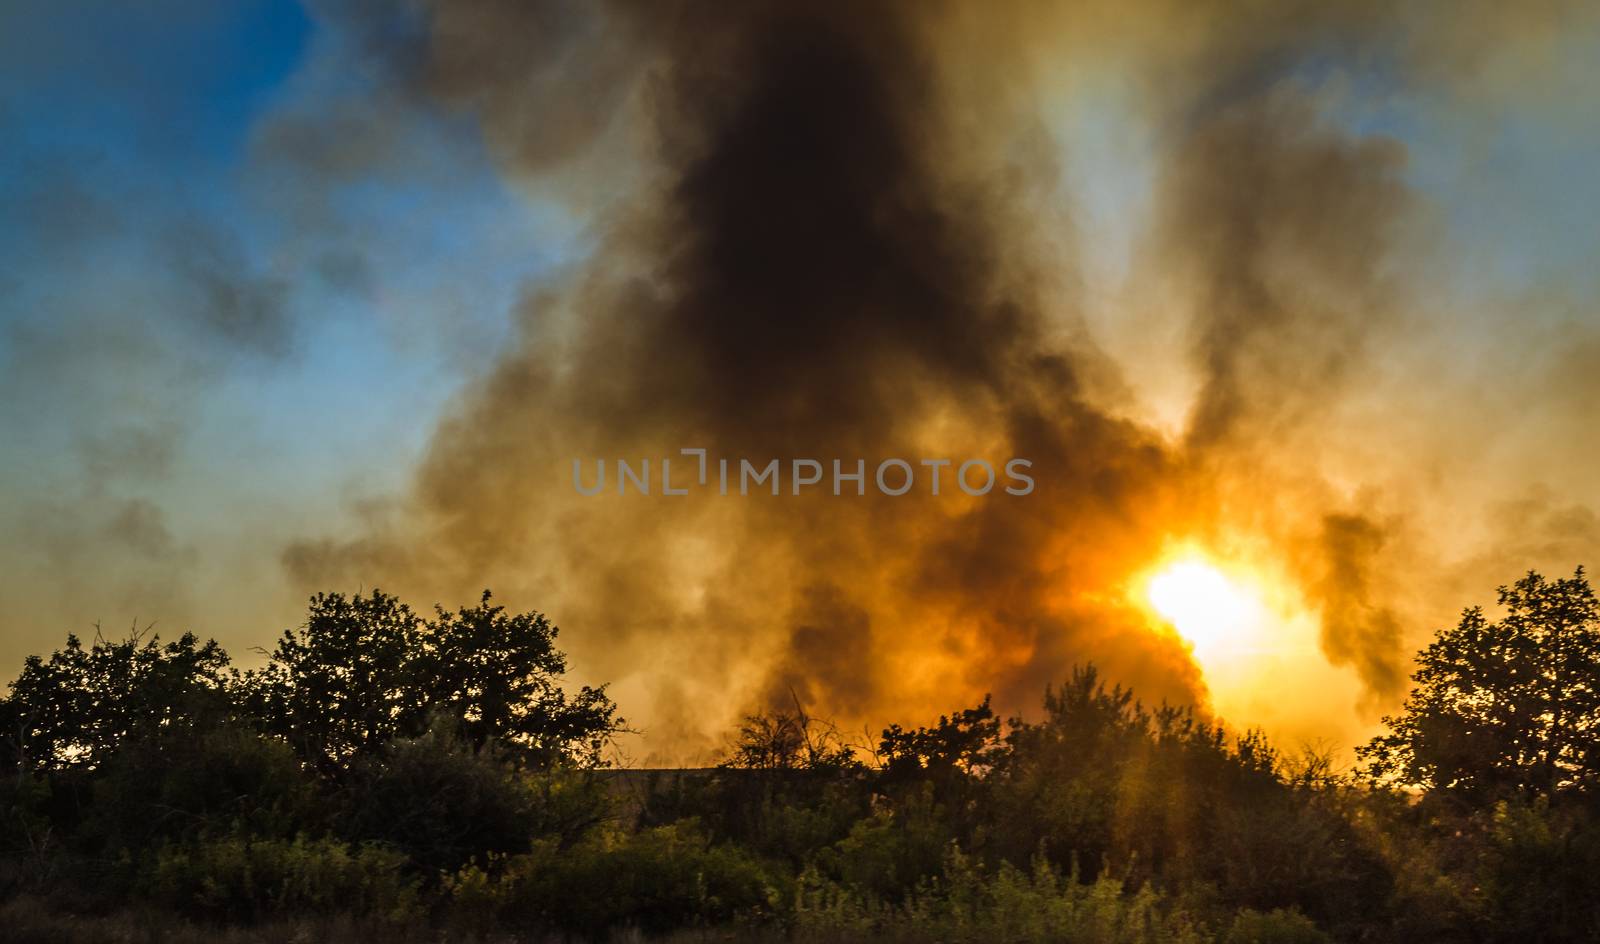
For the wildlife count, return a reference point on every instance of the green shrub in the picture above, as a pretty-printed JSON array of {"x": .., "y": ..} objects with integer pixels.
[
  {"x": 439, "y": 802},
  {"x": 887, "y": 854},
  {"x": 1279, "y": 926},
  {"x": 243, "y": 879},
  {"x": 187, "y": 782},
  {"x": 964, "y": 903},
  {"x": 656, "y": 880},
  {"x": 24, "y": 813},
  {"x": 1540, "y": 872}
]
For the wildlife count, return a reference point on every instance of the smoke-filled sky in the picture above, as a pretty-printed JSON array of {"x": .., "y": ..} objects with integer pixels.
[{"x": 330, "y": 296}]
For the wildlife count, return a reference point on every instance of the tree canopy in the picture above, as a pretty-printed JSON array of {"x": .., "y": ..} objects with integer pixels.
[
  {"x": 79, "y": 705},
  {"x": 361, "y": 673},
  {"x": 434, "y": 777},
  {"x": 1502, "y": 708},
  {"x": 366, "y": 670}
]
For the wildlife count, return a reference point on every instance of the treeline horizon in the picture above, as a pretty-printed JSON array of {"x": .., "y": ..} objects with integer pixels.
[{"x": 431, "y": 776}]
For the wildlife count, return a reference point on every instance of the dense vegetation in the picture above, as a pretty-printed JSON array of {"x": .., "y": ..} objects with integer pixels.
[{"x": 391, "y": 776}]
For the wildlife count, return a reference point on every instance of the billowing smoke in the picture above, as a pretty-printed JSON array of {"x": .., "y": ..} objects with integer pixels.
[
  {"x": 822, "y": 231},
  {"x": 1282, "y": 231}
]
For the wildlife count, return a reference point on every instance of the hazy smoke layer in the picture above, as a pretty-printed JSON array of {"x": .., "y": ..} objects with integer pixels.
[{"x": 820, "y": 232}]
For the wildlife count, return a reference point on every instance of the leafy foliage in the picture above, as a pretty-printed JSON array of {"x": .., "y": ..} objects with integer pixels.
[
  {"x": 444, "y": 803},
  {"x": 1541, "y": 872},
  {"x": 1503, "y": 708},
  {"x": 245, "y": 879},
  {"x": 655, "y": 880},
  {"x": 965, "y": 903},
  {"x": 1273, "y": 927},
  {"x": 75, "y": 708},
  {"x": 181, "y": 784},
  {"x": 431, "y": 776},
  {"x": 366, "y": 670}
]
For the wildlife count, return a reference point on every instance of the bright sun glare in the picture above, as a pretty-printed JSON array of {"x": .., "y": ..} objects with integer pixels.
[{"x": 1207, "y": 608}]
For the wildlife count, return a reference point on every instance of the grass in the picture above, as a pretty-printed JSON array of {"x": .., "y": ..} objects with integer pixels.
[{"x": 34, "y": 920}]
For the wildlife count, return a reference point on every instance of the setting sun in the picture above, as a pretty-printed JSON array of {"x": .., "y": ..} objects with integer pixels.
[{"x": 1207, "y": 608}]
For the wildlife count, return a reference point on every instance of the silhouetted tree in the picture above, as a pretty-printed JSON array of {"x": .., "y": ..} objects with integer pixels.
[
  {"x": 77, "y": 707},
  {"x": 1160, "y": 795},
  {"x": 962, "y": 744},
  {"x": 498, "y": 676},
  {"x": 782, "y": 740},
  {"x": 366, "y": 670},
  {"x": 1503, "y": 708},
  {"x": 788, "y": 784},
  {"x": 950, "y": 760}
]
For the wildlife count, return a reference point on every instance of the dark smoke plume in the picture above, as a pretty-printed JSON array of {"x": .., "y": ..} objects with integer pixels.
[{"x": 818, "y": 234}]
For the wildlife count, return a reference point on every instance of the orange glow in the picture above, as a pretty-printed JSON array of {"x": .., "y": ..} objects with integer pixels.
[
  {"x": 1218, "y": 614},
  {"x": 1253, "y": 635}
]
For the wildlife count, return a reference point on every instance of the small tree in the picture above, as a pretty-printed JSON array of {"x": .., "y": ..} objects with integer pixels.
[
  {"x": 77, "y": 707},
  {"x": 365, "y": 671},
  {"x": 781, "y": 740},
  {"x": 1503, "y": 708}
]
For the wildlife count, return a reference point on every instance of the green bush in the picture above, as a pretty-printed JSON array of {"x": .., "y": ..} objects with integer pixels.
[
  {"x": 966, "y": 904},
  {"x": 888, "y": 854},
  {"x": 24, "y": 813},
  {"x": 185, "y": 783},
  {"x": 437, "y": 801},
  {"x": 656, "y": 880},
  {"x": 1280, "y": 926},
  {"x": 1540, "y": 872},
  {"x": 243, "y": 879}
]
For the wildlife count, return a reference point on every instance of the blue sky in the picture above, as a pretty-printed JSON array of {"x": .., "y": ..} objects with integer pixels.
[{"x": 192, "y": 324}]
